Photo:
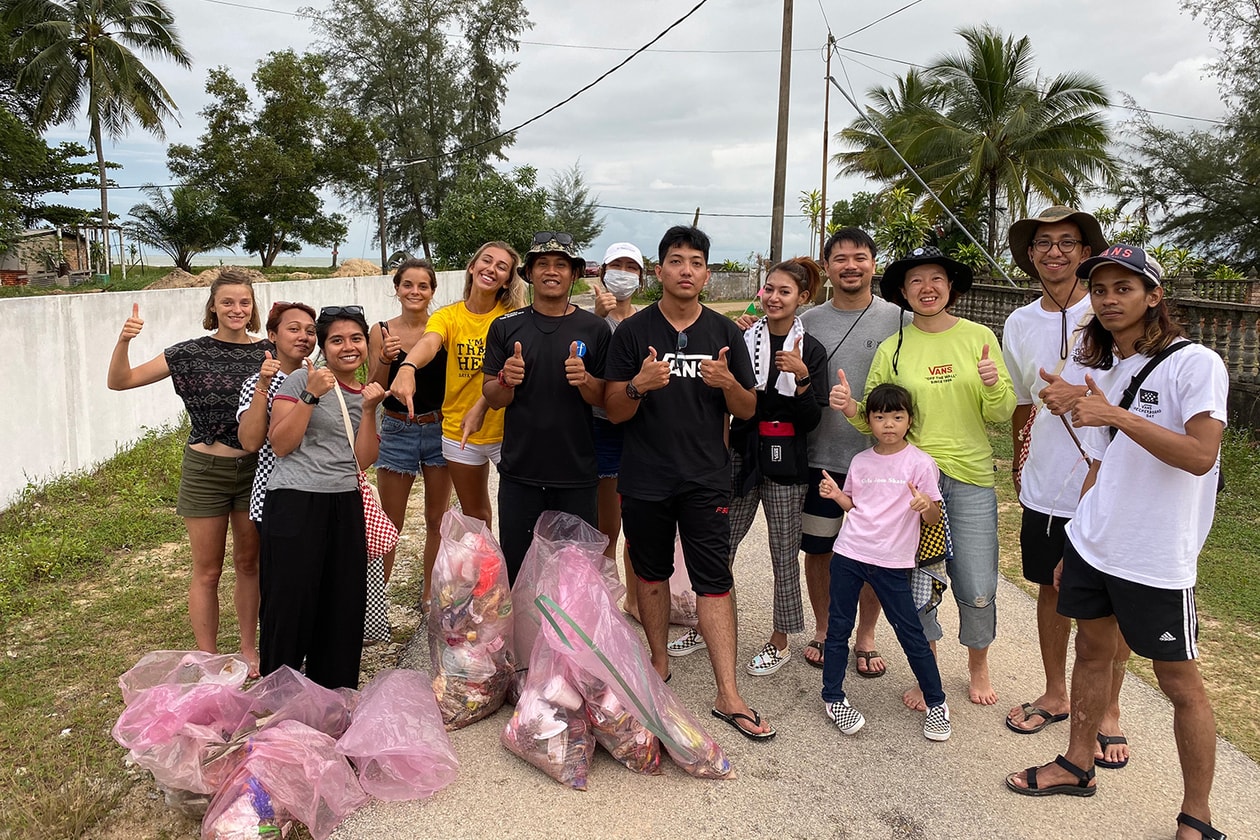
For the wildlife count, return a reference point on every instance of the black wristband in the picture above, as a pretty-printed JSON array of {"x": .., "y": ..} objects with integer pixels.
[
  {"x": 411, "y": 365},
  {"x": 801, "y": 383}
]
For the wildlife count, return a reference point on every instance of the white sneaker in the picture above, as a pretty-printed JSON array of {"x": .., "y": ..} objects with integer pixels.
[
  {"x": 688, "y": 642},
  {"x": 846, "y": 718},
  {"x": 769, "y": 660},
  {"x": 936, "y": 723}
]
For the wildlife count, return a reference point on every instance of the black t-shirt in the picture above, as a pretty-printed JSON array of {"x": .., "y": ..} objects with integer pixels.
[
  {"x": 430, "y": 385},
  {"x": 547, "y": 432},
  {"x": 677, "y": 436}
]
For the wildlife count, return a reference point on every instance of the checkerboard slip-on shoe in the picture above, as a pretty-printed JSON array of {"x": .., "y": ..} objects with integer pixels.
[
  {"x": 687, "y": 643},
  {"x": 936, "y": 723},
  {"x": 769, "y": 660},
  {"x": 846, "y": 718}
]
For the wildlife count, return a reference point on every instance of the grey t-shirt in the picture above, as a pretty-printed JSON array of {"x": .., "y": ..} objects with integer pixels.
[
  {"x": 323, "y": 461},
  {"x": 834, "y": 443},
  {"x": 613, "y": 323}
]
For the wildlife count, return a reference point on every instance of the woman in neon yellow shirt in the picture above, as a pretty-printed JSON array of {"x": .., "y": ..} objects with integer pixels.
[
  {"x": 953, "y": 368},
  {"x": 491, "y": 288}
]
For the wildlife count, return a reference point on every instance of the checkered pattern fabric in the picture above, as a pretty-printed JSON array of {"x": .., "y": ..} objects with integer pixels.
[
  {"x": 936, "y": 543},
  {"x": 782, "y": 504},
  {"x": 382, "y": 534},
  {"x": 376, "y": 619},
  {"x": 936, "y": 723},
  {"x": 266, "y": 455},
  {"x": 846, "y": 718}
]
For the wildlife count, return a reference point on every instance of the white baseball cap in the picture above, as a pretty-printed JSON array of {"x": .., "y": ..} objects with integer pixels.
[{"x": 622, "y": 249}]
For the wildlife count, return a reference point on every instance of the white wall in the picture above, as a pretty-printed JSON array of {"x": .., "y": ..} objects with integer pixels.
[{"x": 61, "y": 418}]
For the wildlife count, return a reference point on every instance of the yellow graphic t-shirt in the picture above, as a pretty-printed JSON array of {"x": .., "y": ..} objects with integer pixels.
[{"x": 463, "y": 335}]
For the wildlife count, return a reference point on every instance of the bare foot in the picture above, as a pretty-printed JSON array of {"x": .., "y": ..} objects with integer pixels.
[
  {"x": 982, "y": 693},
  {"x": 251, "y": 659},
  {"x": 913, "y": 698}
]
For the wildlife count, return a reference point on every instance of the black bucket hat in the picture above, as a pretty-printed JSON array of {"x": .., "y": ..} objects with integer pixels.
[
  {"x": 1020, "y": 236},
  {"x": 960, "y": 276}
]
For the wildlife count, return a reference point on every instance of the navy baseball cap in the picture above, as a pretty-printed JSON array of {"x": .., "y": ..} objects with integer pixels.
[{"x": 1131, "y": 257}]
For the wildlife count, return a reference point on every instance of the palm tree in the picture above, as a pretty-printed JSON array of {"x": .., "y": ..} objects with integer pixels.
[
  {"x": 985, "y": 130},
  {"x": 183, "y": 223},
  {"x": 88, "y": 48}
]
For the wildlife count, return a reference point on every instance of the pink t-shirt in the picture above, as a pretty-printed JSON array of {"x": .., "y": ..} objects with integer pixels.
[{"x": 882, "y": 530}]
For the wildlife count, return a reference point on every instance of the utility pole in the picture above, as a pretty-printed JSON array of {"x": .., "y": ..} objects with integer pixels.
[
  {"x": 780, "y": 151},
  {"x": 822, "y": 227},
  {"x": 380, "y": 208}
]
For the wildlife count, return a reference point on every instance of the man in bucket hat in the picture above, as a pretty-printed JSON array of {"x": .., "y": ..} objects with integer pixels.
[
  {"x": 1039, "y": 338},
  {"x": 544, "y": 364}
]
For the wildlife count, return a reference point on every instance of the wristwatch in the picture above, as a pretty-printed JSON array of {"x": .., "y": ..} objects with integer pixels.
[
  {"x": 633, "y": 392},
  {"x": 801, "y": 383},
  {"x": 308, "y": 398}
]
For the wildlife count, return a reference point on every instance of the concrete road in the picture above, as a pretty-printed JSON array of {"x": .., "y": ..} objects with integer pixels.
[{"x": 885, "y": 782}]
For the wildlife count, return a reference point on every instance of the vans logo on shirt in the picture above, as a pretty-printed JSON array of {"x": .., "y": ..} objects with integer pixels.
[
  {"x": 940, "y": 374},
  {"x": 1148, "y": 397},
  {"x": 687, "y": 366}
]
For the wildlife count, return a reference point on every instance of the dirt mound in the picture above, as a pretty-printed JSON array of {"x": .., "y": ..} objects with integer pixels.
[
  {"x": 357, "y": 268},
  {"x": 298, "y": 275},
  {"x": 212, "y": 274},
  {"x": 178, "y": 279}
]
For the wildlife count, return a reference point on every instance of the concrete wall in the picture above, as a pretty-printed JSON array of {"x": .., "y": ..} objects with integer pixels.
[{"x": 61, "y": 418}]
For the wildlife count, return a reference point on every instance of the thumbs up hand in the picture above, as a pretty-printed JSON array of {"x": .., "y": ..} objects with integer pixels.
[
  {"x": 133, "y": 325},
  {"x": 319, "y": 381},
  {"x": 918, "y": 502},
  {"x": 1059, "y": 395},
  {"x": 1092, "y": 409},
  {"x": 575, "y": 367},
  {"x": 790, "y": 361},
  {"x": 391, "y": 346},
  {"x": 653, "y": 373},
  {"x": 268, "y": 369},
  {"x": 514, "y": 368},
  {"x": 841, "y": 398},
  {"x": 716, "y": 373},
  {"x": 987, "y": 368}
]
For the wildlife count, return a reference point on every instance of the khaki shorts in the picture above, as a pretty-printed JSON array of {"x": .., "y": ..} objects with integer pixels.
[{"x": 213, "y": 485}]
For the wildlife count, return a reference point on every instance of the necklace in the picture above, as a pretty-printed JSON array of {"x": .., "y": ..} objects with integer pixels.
[{"x": 559, "y": 319}]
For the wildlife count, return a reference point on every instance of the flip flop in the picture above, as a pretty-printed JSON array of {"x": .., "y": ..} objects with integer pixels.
[
  {"x": 1081, "y": 788},
  {"x": 1209, "y": 831},
  {"x": 1105, "y": 741},
  {"x": 1030, "y": 710},
  {"x": 868, "y": 655},
  {"x": 736, "y": 717},
  {"x": 818, "y": 646}
]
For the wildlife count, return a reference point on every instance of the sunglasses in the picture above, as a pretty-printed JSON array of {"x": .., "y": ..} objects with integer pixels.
[
  {"x": 338, "y": 311},
  {"x": 545, "y": 236},
  {"x": 682, "y": 341}
]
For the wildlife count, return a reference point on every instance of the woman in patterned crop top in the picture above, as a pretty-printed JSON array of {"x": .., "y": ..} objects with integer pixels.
[{"x": 217, "y": 472}]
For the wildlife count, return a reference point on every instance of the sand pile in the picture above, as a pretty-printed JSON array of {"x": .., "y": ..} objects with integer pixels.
[
  {"x": 178, "y": 279},
  {"x": 212, "y": 274},
  {"x": 357, "y": 268},
  {"x": 298, "y": 275}
]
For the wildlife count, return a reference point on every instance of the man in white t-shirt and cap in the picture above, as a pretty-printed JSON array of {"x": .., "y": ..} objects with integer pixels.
[{"x": 1038, "y": 339}]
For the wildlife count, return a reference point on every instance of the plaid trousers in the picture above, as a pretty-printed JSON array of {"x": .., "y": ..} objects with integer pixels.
[{"x": 782, "y": 504}]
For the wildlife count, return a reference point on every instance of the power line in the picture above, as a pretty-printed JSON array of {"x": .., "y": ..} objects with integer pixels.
[
  {"x": 564, "y": 101},
  {"x": 255, "y": 8},
  {"x": 680, "y": 52},
  {"x": 692, "y": 212},
  {"x": 880, "y": 20}
]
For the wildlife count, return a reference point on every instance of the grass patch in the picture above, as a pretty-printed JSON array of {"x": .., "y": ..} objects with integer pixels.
[{"x": 1227, "y": 593}]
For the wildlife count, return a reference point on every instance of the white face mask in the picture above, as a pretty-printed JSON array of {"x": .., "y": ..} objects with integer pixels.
[{"x": 622, "y": 284}]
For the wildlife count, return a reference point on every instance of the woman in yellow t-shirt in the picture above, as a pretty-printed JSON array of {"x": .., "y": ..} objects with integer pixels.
[{"x": 469, "y": 442}]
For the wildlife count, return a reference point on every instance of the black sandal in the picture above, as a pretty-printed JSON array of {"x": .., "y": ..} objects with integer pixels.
[
  {"x": 1206, "y": 829},
  {"x": 1081, "y": 788}
]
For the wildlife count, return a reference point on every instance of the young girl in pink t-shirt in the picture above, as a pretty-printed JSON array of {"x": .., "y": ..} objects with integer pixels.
[{"x": 890, "y": 489}]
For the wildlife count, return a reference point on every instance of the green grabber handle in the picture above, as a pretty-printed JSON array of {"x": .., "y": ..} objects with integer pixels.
[{"x": 649, "y": 720}]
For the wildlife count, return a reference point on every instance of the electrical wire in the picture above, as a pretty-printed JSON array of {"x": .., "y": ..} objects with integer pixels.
[{"x": 880, "y": 20}]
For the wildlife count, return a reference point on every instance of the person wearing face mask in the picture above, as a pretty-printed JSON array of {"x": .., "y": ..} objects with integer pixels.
[{"x": 620, "y": 275}]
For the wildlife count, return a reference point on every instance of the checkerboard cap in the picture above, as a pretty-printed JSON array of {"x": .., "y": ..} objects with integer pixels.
[{"x": 1131, "y": 257}]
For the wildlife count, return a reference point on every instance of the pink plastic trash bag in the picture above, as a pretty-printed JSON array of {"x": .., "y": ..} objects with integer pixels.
[
  {"x": 617, "y": 730},
  {"x": 682, "y": 598},
  {"x": 559, "y": 539},
  {"x": 397, "y": 739},
  {"x": 285, "y": 694},
  {"x": 586, "y": 629},
  {"x": 470, "y": 623},
  {"x": 182, "y": 667},
  {"x": 549, "y": 728},
  {"x": 288, "y": 771}
]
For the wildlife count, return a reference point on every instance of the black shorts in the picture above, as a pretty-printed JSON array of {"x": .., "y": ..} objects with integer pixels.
[
  {"x": 1041, "y": 540},
  {"x": 1156, "y": 623},
  {"x": 701, "y": 518},
  {"x": 820, "y": 518}
]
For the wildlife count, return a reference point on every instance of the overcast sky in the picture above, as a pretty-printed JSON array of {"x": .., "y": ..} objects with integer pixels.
[{"x": 692, "y": 123}]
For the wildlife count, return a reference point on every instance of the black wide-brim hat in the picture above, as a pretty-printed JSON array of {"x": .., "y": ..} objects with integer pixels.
[
  {"x": 1021, "y": 234},
  {"x": 960, "y": 276}
]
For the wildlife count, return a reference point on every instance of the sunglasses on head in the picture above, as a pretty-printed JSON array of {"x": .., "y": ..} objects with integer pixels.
[
  {"x": 337, "y": 311},
  {"x": 545, "y": 236}
]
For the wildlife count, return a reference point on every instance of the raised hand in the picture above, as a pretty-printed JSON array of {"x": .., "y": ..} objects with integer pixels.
[
  {"x": 987, "y": 368},
  {"x": 575, "y": 367},
  {"x": 373, "y": 393},
  {"x": 268, "y": 369},
  {"x": 133, "y": 325},
  {"x": 605, "y": 301},
  {"x": 716, "y": 373},
  {"x": 790, "y": 361},
  {"x": 514, "y": 368},
  {"x": 841, "y": 398},
  {"x": 919, "y": 503},
  {"x": 1059, "y": 395},
  {"x": 1093, "y": 408},
  {"x": 653, "y": 374},
  {"x": 319, "y": 381},
  {"x": 827, "y": 488},
  {"x": 391, "y": 345}
]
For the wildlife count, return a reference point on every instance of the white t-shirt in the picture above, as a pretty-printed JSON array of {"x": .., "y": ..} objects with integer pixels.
[
  {"x": 1144, "y": 521},
  {"x": 1031, "y": 340}
]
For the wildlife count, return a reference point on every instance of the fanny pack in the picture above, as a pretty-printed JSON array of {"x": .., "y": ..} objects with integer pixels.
[{"x": 776, "y": 449}]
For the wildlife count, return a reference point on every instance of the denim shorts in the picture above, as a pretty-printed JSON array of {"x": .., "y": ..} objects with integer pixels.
[
  {"x": 609, "y": 438},
  {"x": 405, "y": 447}
]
